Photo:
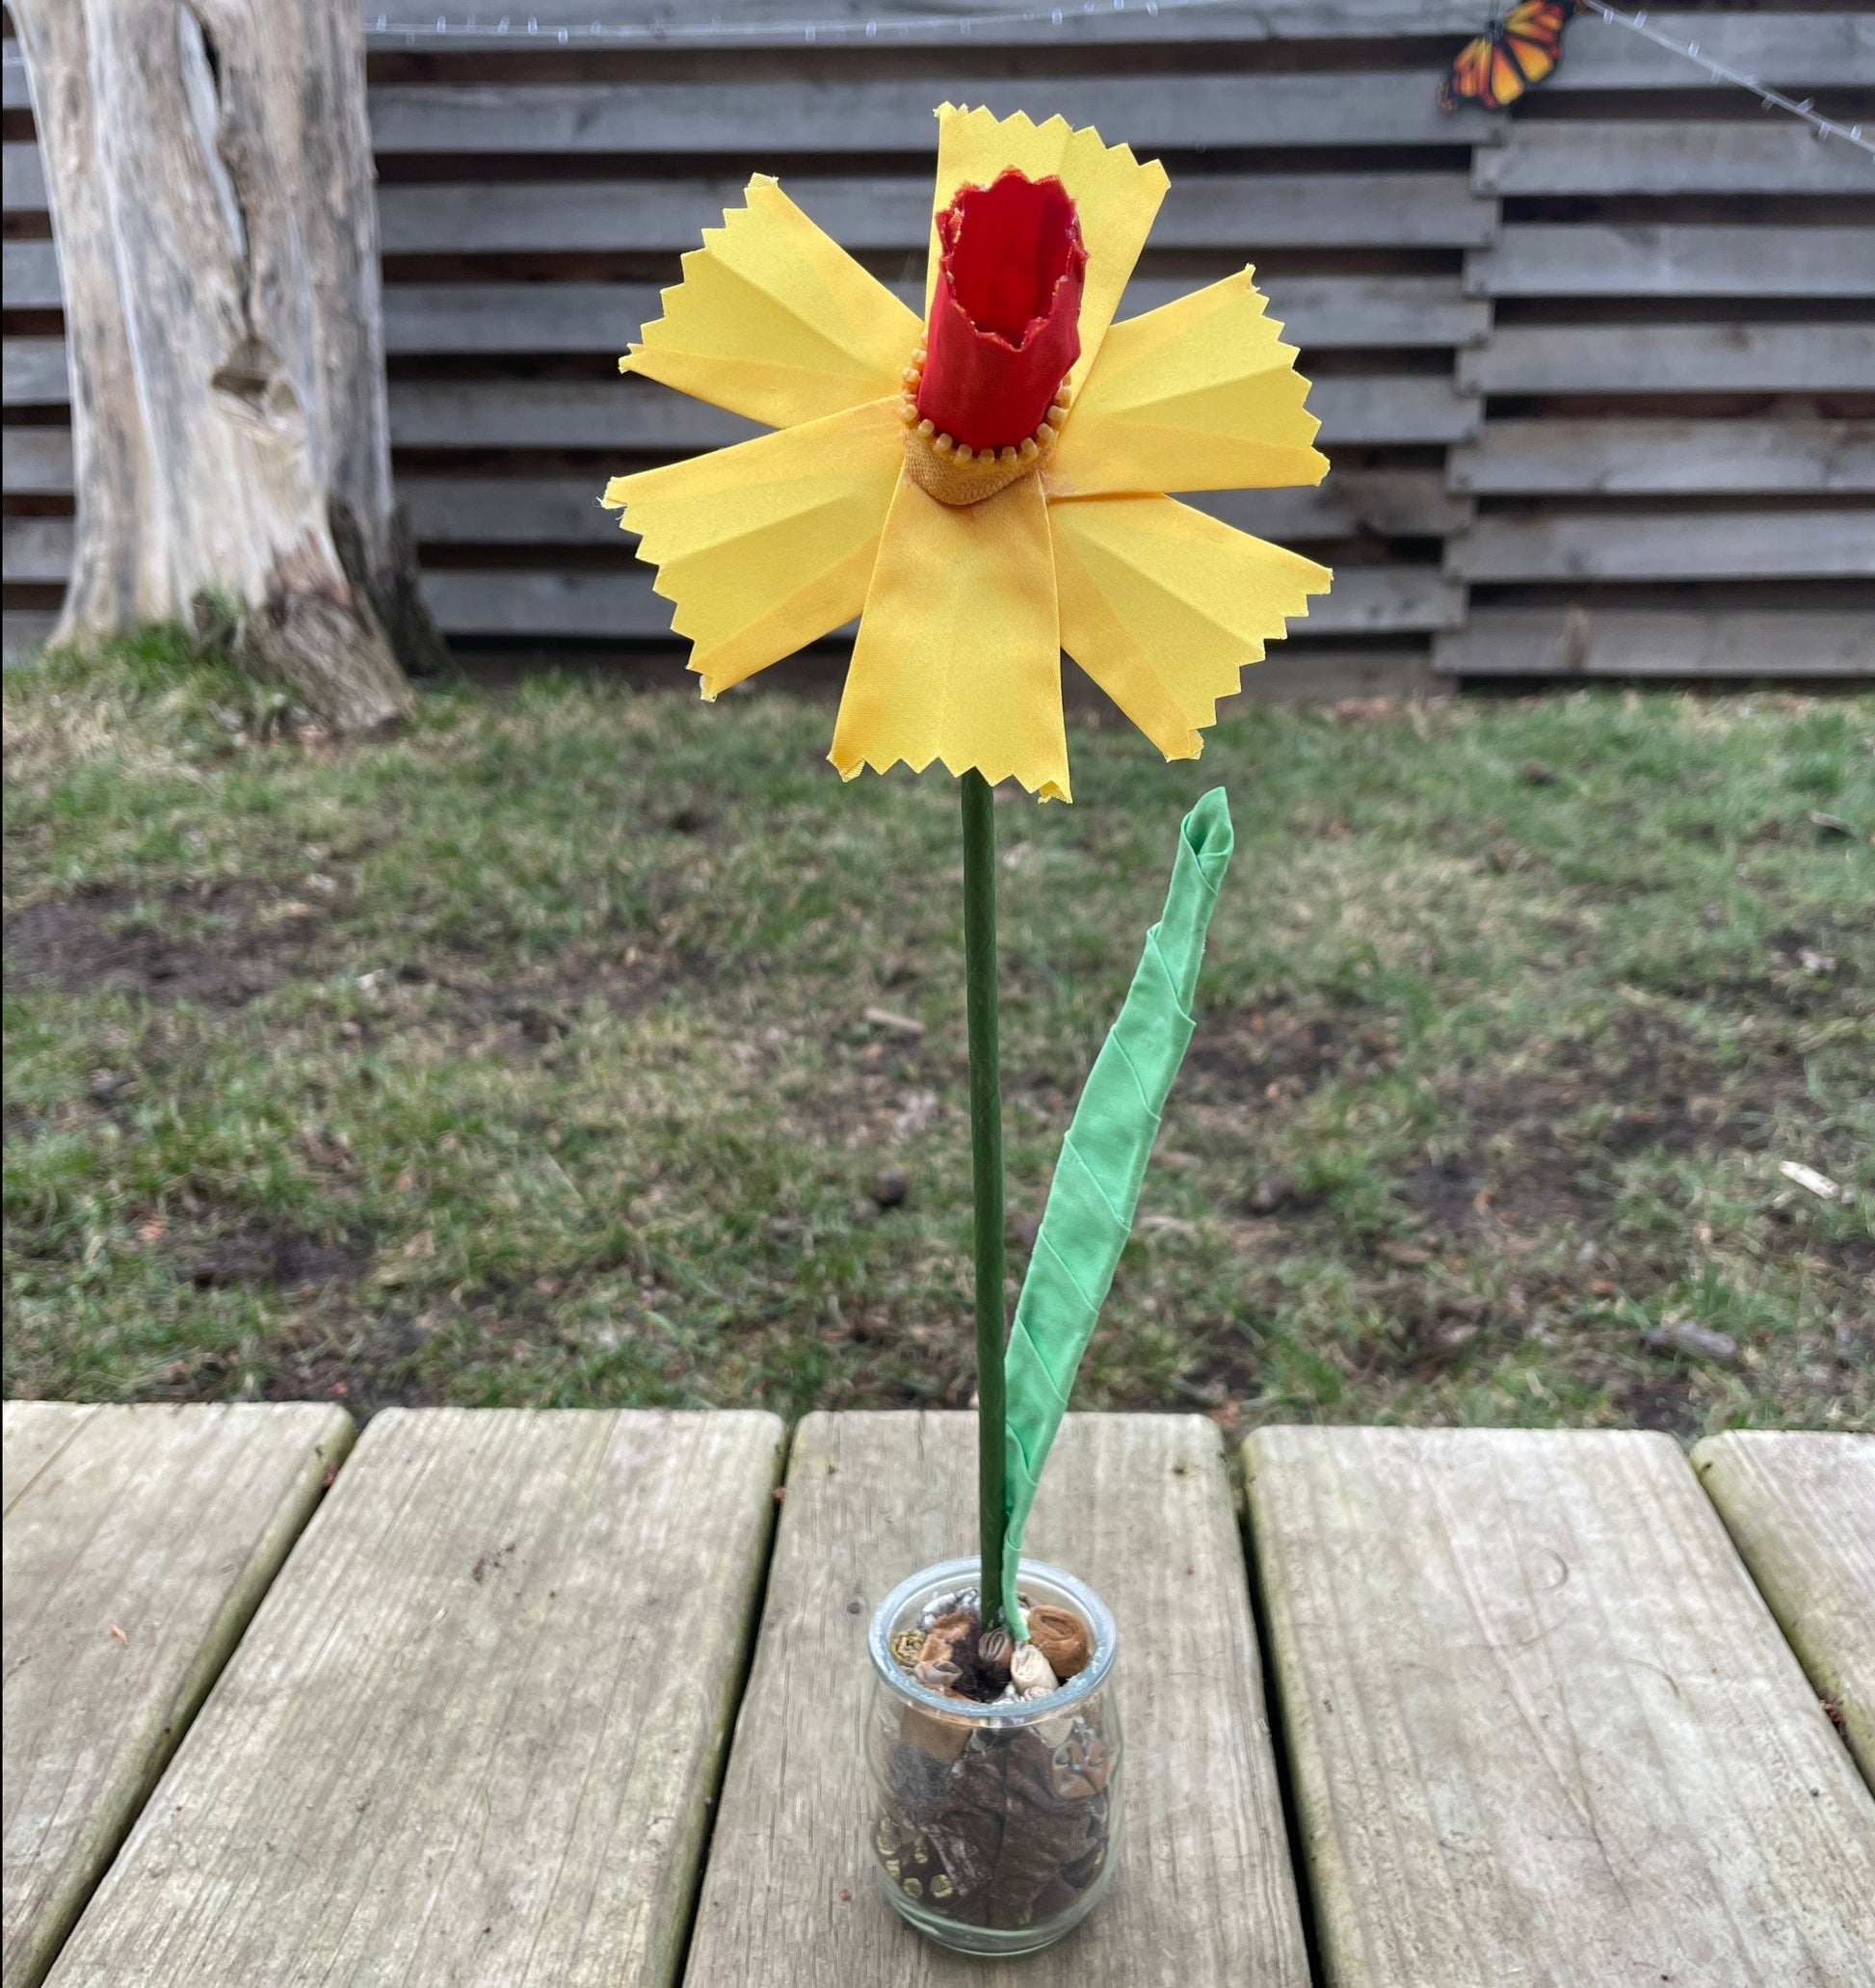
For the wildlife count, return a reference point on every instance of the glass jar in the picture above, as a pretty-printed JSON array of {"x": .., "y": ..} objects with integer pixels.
[{"x": 994, "y": 1827}]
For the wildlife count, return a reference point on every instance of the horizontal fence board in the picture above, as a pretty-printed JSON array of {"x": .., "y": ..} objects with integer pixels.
[
  {"x": 1236, "y": 211},
  {"x": 1644, "y": 642},
  {"x": 1317, "y": 313},
  {"x": 1628, "y": 156},
  {"x": 33, "y": 372},
  {"x": 23, "y": 629},
  {"x": 1569, "y": 260},
  {"x": 894, "y": 113},
  {"x": 644, "y": 417},
  {"x": 23, "y": 184},
  {"x": 37, "y": 461},
  {"x": 13, "y": 94},
  {"x": 1835, "y": 51},
  {"x": 621, "y": 606},
  {"x": 565, "y": 510},
  {"x": 30, "y": 272},
  {"x": 35, "y": 549},
  {"x": 844, "y": 22},
  {"x": 1669, "y": 545},
  {"x": 1673, "y": 358},
  {"x": 1378, "y": 409},
  {"x": 1682, "y": 457},
  {"x": 1322, "y": 314}
]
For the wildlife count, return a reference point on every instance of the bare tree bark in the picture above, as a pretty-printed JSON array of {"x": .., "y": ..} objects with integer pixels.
[{"x": 209, "y": 173}]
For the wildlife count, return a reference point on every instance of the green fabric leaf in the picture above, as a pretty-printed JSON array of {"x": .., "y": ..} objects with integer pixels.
[{"x": 1096, "y": 1183}]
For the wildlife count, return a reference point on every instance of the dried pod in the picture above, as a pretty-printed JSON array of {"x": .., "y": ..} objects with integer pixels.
[
  {"x": 942, "y": 1740},
  {"x": 936, "y": 1674},
  {"x": 907, "y": 1648},
  {"x": 1031, "y": 1672},
  {"x": 1080, "y": 1763},
  {"x": 1053, "y": 1733},
  {"x": 1061, "y": 1639}
]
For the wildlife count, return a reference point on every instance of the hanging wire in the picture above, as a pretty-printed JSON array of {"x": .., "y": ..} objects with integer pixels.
[
  {"x": 527, "y": 28},
  {"x": 1770, "y": 99}
]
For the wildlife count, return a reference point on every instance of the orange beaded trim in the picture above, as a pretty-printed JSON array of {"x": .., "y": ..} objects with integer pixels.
[{"x": 952, "y": 471}]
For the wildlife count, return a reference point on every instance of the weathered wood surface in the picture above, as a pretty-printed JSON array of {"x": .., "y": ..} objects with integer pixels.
[
  {"x": 1231, "y": 210},
  {"x": 892, "y": 112},
  {"x": 1632, "y": 157},
  {"x": 620, "y": 605},
  {"x": 1677, "y": 458},
  {"x": 211, "y": 191},
  {"x": 35, "y": 459},
  {"x": 30, "y": 272},
  {"x": 34, "y": 373},
  {"x": 1667, "y": 545},
  {"x": 1673, "y": 358},
  {"x": 565, "y": 510},
  {"x": 516, "y": 600},
  {"x": 1658, "y": 641},
  {"x": 899, "y": 24},
  {"x": 1581, "y": 259},
  {"x": 1140, "y": 1507},
  {"x": 36, "y": 548},
  {"x": 641, "y": 415},
  {"x": 23, "y": 629},
  {"x": 1316, "y": 314},
  {"x": 1800, "y": 1507},
  {"x": 473, "y": 1735},
  {"x": 1542, "y": 1728},
  {"x": 1829, "y": 50},
  {"x": 137, "y": 1542},
  {"x": 23, "y": 179}
]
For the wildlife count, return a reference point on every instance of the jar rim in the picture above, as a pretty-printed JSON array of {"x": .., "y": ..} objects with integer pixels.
[{"x": 963, "y": 1572}]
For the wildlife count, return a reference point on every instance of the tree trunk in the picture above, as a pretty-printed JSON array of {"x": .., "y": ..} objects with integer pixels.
[{"x": 209, "y": 172}]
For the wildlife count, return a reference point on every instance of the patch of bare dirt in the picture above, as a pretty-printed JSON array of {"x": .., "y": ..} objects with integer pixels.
[
  {"x": 245, "y": 943},
  {"x": 281, "y": 1260}
]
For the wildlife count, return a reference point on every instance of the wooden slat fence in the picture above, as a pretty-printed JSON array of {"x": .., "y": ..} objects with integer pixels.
[{"x": 1597, "y": 380}]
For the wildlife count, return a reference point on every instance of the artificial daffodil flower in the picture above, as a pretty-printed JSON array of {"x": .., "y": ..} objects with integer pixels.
[{"x": 984, "y": 489}]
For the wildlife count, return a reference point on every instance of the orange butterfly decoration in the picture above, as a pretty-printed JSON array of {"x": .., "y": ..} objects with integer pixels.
[{"x": 1521, "y": 48}]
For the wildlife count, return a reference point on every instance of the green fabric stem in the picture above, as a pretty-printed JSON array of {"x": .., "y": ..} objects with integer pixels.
[{"x": 1096, "y": 1183}]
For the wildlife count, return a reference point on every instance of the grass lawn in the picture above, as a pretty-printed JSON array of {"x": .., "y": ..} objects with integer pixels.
[{"x": 583, "y": 1047}]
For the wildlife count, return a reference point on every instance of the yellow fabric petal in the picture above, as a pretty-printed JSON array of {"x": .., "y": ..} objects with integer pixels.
[
  {"x": 959, "y": 657},
  {"x": 769, "y": 544},
  {"x": 1163, "y": 606},
  {"x": 775, "y": 320},
  {"x": 1201, "y": 395},
  {"x": 1117, "y": 197}
]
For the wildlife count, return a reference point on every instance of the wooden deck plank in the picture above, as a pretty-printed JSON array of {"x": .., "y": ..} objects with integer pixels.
[
  {"x": 1800, "y": 1507},
  {"x": 137, "y": 1542},
  {"x": 1138, "y": 1505},
  {"x": 473, "y": 1736},
  {"x": 1541, "y": 1727}
]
